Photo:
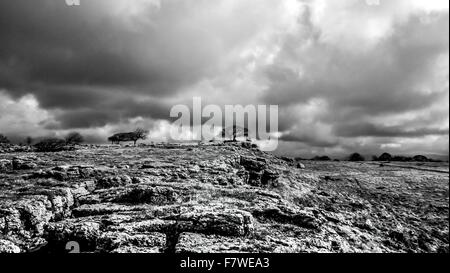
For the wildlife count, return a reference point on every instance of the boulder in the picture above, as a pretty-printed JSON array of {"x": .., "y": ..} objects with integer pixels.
[
  {"x": 225, "y": 222},
  {"x": 269, "y": 178},
  {"x": 302, "y": 218},
  {"x": 84, "y": 233},
  {"x": 150, "y": 195},
  {"x": 202, "y": 243},
  {"x": 24, "y": 163},
  {"x": 255, "y": 168},
  {"x": 253, "y": 164},
  {"x": 113, "y": 181}
]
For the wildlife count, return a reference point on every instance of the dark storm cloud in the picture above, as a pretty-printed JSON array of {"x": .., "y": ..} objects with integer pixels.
[
  {"x": 47, "y": 42},
  {"x": 72, "y": 97},
  {"x": 76, "y": 59},
  {"x": 372, "y": 130},
  {"x": 44, "y": 41},
  {"x": 85, "y": 118},
  {"x": 310, "y": 140},
  {"x": 119, "y": 110}
]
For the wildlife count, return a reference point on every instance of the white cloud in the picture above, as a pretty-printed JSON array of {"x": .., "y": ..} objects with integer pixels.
[{"x": 22, "y": 116}]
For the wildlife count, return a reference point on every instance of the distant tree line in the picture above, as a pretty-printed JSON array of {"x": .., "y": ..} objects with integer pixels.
[
  {"x": 75, "y": 138},
  {"x": 53, "y": 144},
  {"x": 50, "y": 144},
  {"x": 400, "y": 158},
  {"x": 57, "y": 144},
  {"x": 385, "y": 157}
]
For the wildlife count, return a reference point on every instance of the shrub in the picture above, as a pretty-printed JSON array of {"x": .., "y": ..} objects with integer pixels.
[
  {"x": 3, "y": 139},
  {"x": 321, "y": 158},
  {"x": 402, "y": 158},
  {"x": 74, "y": 138},
  {"x": 420, "y": 158},
  {"x": 356, "y": 157},
  {"x": 51, "y": 145},
  {"x": 385, "y": 157}
]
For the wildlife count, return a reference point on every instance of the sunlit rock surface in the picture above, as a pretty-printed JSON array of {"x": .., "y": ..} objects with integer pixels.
[{"x": 217, "y": 198}]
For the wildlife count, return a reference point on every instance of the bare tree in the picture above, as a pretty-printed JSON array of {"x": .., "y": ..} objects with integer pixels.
[
  {"x": 74, "y": 138},
  {"x": 139, "y": 133},
  {"x": 134, "y": 136}
]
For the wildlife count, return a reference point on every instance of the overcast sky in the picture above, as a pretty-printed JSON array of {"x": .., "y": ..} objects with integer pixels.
[{"x": 348, "y": 75}]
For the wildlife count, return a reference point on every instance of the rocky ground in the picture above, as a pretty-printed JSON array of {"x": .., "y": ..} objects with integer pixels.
[{"x": 221, "y": 198}]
